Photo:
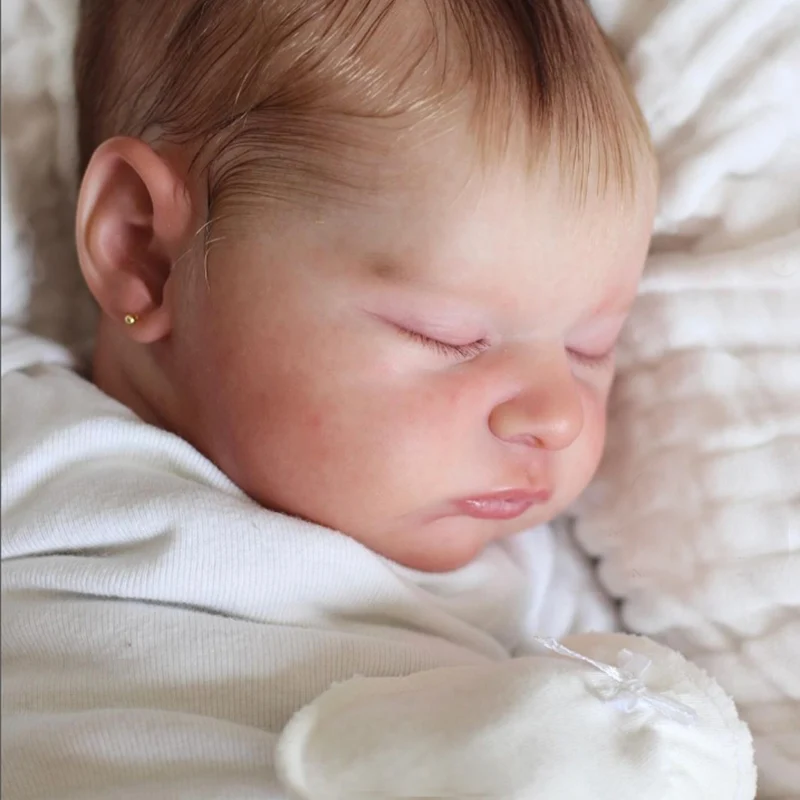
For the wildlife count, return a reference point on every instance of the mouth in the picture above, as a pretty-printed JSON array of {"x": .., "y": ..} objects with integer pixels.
[{"x": 502, "y": 505}]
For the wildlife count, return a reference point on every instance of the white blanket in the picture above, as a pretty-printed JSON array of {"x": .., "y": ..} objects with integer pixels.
[
  {"x": 159, "y": 628},
  {"x": 695, "y": 514}
]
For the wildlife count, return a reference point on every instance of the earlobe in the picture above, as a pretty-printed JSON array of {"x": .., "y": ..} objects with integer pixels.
[{"x": 133, "y": 223}]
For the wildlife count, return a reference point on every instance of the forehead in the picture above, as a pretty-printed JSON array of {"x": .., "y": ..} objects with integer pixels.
[
  {"x": 440, "y": 222},
  {"x": 506, "y": 235}
]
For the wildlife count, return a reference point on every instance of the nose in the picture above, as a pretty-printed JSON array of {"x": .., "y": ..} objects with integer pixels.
[{"x": 547, "y": 413}]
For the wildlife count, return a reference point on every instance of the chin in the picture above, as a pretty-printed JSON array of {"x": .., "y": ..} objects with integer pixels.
[
  {"x": 441, "y": 546},
  {"x": 439, "y": 561},
  {"x": 453, "y": 542}
]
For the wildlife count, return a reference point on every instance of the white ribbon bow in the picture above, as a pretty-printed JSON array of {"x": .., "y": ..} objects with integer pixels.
[{"x": 627, "y": 690}]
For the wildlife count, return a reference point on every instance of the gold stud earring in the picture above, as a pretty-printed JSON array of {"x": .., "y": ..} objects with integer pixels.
[{"x": 131, "y": 319}]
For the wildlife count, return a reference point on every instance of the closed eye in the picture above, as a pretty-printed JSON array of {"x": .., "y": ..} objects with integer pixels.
[
  {"x": 591, "y": 360},
  {"x": 461, "y": 351}
]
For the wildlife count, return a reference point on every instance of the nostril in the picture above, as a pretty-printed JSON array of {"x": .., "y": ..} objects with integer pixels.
[{"x": 528, "y": 439}]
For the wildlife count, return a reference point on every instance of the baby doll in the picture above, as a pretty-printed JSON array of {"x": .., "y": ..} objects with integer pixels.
[{"x": 361, "y": 266}]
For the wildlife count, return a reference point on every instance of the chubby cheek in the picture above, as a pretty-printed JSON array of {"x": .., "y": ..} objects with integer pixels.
[
  {"x": 392, "y": 433},
  {"x": 323, "y": 438},
  {"x": 285, "y": 435}
]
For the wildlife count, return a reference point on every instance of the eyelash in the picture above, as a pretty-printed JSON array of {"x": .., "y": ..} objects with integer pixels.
[
  {"x": 464, "y": 351},
  {"x": 474, "y": 349},
  {"x": 592, "y": 362}
]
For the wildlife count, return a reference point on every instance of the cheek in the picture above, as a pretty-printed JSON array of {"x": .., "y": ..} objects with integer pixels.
[
  {"x": 443, "y": 414},
  {"x": 315, "y": 408},
  {"x": 400, "y": 434},
  {"x": 292, "y": 420}
]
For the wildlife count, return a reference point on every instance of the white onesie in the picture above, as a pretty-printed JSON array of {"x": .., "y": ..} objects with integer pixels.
[{"x": 160, "y": 629}]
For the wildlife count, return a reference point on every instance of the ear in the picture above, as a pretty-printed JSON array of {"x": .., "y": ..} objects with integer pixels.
[{"x": 133, "y": 223}]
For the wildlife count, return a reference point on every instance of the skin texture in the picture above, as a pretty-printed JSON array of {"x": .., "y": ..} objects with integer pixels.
[{"x": 286, "y": 357}]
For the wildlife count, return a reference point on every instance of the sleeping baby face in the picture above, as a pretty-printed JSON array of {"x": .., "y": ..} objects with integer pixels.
[
  {"x": 427, "y": 371},
  {"x": 416, "y": 252}
]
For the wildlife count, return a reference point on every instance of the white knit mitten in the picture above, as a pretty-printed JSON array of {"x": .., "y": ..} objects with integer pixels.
[{"x": 597, "y": 716}]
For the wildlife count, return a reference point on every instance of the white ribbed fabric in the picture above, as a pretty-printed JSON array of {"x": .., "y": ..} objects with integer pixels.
[{"x": 159, "y": 628}]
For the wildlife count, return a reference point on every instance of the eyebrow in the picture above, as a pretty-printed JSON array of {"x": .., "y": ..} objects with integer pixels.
[{"x": 389, "y": 271}]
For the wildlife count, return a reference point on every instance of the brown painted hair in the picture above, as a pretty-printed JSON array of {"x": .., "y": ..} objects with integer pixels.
[{"x": 274, "y": 93}]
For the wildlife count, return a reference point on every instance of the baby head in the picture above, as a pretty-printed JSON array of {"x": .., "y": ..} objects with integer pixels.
[{"x": 370, "y": 257}]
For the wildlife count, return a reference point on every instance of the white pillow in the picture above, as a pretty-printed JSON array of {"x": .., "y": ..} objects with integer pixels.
[
  {"x": 696, "y": 511},
  {"x": 41, "y": 284}
]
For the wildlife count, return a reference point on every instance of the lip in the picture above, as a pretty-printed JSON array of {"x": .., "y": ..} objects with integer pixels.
[{"x": 502, "y": 505}]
